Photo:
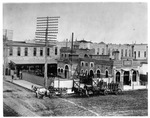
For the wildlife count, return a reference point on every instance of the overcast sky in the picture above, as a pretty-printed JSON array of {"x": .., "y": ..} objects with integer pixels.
[{"x": 108, "y": 22}]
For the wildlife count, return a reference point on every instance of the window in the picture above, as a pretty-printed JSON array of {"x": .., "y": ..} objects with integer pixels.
[
  {"x": 144, "y": 53},
  {"x": 55, "y": 50},
  {"x": 48, "y": 51},
  {"x": 92, "y": 64},
  {"x": 108, "y": 51},
  {"x": 58, "y": 70},
  {"x": 34, "y": 51},
  {"x": 134, "y": 76},
  {"x": 61, "y": 70},
  {"x": 97, "y": 51},
  {"x": 10, "y": 51},
  {"x": 112, "y": 51},
  {"x": 139, "y": 54},
  {"x": 41, "y": 51},
  {"x": 129, "y": 53},
  {"x": 19, "y": 50},
  {"x": 86, "y": 64},
  {"x": 61, "y": 55},
  {"x": 126, "y": 53},
  {"x": 103, "y": 50},
  {"x": 135, "y": 54},
  {"x": 82, "y": 64},
  {"x": 122, "y": 52},
  {"x": 65, "y": 55},
  {"x": 26, "y": 51}
]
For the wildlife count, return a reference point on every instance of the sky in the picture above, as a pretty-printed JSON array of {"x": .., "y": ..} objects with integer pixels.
[{"x": 118, "y": 23}]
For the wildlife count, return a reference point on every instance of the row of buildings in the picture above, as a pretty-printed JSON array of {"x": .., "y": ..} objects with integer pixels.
[{"x": 124, "y": 63}]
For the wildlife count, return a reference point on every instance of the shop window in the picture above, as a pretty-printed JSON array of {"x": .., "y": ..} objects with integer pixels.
[{"x": 134, "y": 76}]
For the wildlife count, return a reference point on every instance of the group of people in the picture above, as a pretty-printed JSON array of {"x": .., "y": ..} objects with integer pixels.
[{"x": 14, "y": 75}]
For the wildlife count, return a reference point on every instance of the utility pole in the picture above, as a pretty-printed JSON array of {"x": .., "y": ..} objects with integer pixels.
[{"x": 47, "y": 28}]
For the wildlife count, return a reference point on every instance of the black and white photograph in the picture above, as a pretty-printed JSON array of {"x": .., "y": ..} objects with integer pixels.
[{"x": 74, "y": 59}]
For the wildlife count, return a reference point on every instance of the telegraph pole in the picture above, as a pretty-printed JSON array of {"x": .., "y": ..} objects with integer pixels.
[{"x": 46, "y": 28}]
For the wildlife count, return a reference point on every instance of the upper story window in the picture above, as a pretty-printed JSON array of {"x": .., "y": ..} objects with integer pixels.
[
  {"x": 10, "y": 51},
  {"x": 34, "y": 51},
  {"x": 25, "y": 51},
  {"x": 55, "y": 50},
  {"x": 135, "y": 54},
  {"x": 109, "y": 51},
  {"x": 86, "y": 64},
  {"x": 82, "y": 63},
  {"x": 91, "y": 64},
  {"x": 48, "y": 50},
  {"x": 103, "y": 50},
  {"x": 19, "y": 51},
  {"x": 126, "y": 52},
  {"x": 144, "y": 53},
  {"x": 97, "y": 51},
  {"x": 139, "y": 54},
  {"x": 129, "y": 53},
  {"x": 62, "y": 55},
  {"x": 41, "y": 51},
  {"x": 122, "y": 52}
]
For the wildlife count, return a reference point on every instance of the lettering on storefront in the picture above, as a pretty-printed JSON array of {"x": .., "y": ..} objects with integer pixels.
[{"x": 127, "y": 62}]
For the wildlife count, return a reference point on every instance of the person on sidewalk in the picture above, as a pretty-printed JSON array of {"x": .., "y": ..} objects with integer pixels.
[
  {"x": 12, "y": 75},
  {"x": 20, "y": 74}
]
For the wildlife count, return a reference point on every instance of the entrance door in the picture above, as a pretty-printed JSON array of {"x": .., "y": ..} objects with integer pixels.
[
  {"x": 118, "y": 77},
  {"x": 66, "y": 71},
  {"x": 126, "y": 78},
  {"x": 91, "y": 73}
]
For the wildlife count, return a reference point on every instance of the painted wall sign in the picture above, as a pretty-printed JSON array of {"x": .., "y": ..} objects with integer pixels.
[{"x": 127, "y": 62}]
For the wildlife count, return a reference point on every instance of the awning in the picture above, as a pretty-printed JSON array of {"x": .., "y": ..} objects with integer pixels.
[{"x": 32, "y": 61}]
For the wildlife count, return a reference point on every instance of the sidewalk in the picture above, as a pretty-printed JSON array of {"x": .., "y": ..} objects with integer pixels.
[
  {"x": 22, "y": 83},
  {"x": 27, "y": 85}
]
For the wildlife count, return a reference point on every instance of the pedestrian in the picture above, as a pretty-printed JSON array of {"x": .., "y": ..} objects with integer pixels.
[
  {"x": 12, "y": 77},
  {"x": 20, "y": 74}
]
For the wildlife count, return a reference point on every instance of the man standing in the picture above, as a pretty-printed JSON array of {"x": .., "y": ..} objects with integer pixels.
[{"x": 20, "y": 74}]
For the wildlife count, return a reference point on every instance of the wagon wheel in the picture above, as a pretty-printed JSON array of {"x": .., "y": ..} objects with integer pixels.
[
  {"x": 105, "y": 92},
  {"x": 118, "y": 91}
]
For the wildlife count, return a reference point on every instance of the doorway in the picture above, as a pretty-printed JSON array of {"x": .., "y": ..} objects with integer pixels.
[{"x": 126, "y": 78}]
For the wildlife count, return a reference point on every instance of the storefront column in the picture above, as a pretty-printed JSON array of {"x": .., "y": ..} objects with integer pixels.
[
  {"x": 138, "y": 77},
  {"x": 131, "y": 79}
]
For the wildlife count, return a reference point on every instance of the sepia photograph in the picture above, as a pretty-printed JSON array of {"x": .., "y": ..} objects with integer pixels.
[{"x": 74, "y": 59}]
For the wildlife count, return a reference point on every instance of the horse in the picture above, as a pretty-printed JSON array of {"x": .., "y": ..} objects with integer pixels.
[{"x": 40, "y": 91}]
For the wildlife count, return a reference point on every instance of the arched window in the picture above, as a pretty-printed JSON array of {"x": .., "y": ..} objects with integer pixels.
[
  {"x": 91, "y": 73},
  {"x": 82, "y": 63},
  {"x": 61, "y": 70},
  {"x": 58, "y": 70},
  {"x": 98, "y": 73},
  {"x": 134, "y": 76},
  {"x": 92, "y": 64}
]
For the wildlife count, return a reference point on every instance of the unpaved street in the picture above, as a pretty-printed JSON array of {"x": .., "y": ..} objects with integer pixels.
[{"x": 22, "y": 102}]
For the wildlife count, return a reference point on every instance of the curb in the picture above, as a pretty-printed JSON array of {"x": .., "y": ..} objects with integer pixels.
[{"x": 19, "y": 85}]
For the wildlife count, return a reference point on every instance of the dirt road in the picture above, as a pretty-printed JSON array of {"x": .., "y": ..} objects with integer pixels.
[{"x": 21, "y": 102}]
